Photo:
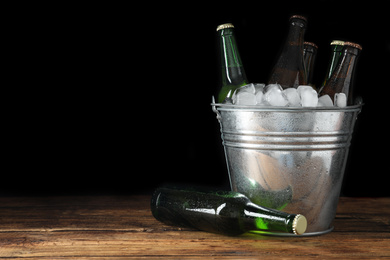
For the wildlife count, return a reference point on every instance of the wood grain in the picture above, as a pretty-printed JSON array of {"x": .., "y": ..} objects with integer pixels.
[{"x": 123, "y": 227}]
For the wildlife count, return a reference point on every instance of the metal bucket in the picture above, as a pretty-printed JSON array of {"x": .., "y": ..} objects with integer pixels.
[{"x": 290, "y": 159}]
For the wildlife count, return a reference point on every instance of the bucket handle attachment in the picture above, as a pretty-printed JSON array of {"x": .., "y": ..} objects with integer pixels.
[
  {"x": 359, "y": 102},
  {"x": 215, "y": 109}
]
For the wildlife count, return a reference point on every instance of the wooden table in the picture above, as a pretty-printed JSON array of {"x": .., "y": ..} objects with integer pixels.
[{"x": 122, "y": 226}]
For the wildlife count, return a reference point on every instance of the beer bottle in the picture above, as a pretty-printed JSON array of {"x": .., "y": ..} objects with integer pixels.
[
  {"x": 289, "y": 70},
  {"x": 223, "y": 212},
  {"x": 341, "y": 80},
  {"x": 309, "y": 57},
  {"x": 233, "y": 74},
  {"x": 337, "y": 47}
]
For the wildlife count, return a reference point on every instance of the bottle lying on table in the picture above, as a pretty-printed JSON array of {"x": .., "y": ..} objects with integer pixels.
[{"x": 223, "y": 212}]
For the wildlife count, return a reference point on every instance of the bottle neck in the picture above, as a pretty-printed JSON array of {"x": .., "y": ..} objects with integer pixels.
[
  {"x": 309, "y": 55},
  {"x": 289, "y": 70},
  {"x": 346, "y": 66},
  {"x": 296, "y": 33},
  {"x": 232, "y": 69},
  {"x": 309, "y": 50},
  {"x": 258, "y": 218},
  {"x": 230, "y": 56},
  {"x": 336, "y": 54}
]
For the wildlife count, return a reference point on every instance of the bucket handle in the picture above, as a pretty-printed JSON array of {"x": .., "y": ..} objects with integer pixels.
[
  {"x": 215, "y": 109},
  {"x": 359, "y": 102}
]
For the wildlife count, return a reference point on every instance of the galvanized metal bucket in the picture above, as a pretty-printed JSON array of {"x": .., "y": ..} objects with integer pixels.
[{"x": 290, "y": 159}]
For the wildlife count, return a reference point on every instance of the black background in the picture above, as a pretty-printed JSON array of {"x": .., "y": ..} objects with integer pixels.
[{"x": 115, "y": 99}]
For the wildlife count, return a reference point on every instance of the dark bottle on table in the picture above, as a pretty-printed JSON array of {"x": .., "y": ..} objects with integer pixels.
[
  {"x": 309, "y": 56},
  {"x": 337, "y": 52},
  {"x": 341, "y": 80},
  {"x": 232, "y": 71},
  {"x": 289, "y": 70},
  {"x": 223, "y": 212}
]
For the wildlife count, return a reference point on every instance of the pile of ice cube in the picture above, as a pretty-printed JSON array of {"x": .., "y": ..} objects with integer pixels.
[{"x": 258, "y": 94}]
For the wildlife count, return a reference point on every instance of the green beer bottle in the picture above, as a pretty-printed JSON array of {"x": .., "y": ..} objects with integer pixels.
[
  {"x": 233, "y": 74},
  {"x": 337, "y": 47},
  {"x": 223, "y": 212}
]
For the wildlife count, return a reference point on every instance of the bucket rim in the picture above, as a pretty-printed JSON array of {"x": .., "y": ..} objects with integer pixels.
[{"x": 231, "y": 107}]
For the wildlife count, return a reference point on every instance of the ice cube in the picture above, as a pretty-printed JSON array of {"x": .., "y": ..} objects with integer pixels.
[
  {"x": 250, "y": 88},
  {"x": 325, "y": 101},
  {"x": 340, "y": 100},
  {"x": 272, "y": 86},
  {"x": 259, "y": 98},
  {"x": 293, "y": 97},
  {"x": 259, "y": 87},
  {"x": 309, "y": 97},
  {"x": 274, "y": 96},
  {"x": 303, "y": 88},
  {"x": 245, "y": 98}
]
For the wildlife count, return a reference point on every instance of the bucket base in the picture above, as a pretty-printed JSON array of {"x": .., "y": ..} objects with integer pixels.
[{"x": 276, "y": 234}]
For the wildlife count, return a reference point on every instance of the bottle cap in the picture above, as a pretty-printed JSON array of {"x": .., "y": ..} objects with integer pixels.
[
  {"x": 352, "y": 44},
  {"x": 224, "y": 26},
  {"x": 311, "y": 44},
  {"x": 299, "y": 224},
  {"x": 298, "y": 17},
  {"x": 337, "y": 42}
]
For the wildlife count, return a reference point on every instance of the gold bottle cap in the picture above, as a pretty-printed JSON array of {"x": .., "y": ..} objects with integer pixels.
[
  {"x": 224, "y": 26},
  {"x": 337, "y": 42},
  {"x": 352, "y": 44},
  {"x": 311, "y": 44},
  {"x": 299, "y": 17},
  {"x": 299, "y": 224}
]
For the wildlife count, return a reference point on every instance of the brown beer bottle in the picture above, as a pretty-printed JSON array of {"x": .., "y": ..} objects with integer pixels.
[
  {"x": 289, "y": 70},
  {"x": 309, "y": 57},
  {"x": 341, "y": 80}
]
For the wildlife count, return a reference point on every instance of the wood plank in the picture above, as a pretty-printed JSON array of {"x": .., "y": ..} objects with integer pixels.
[
  {"x": 63, "y": 213},
  {"x": 112, "y": 243},
  {"x": 104, "y": 227}
]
